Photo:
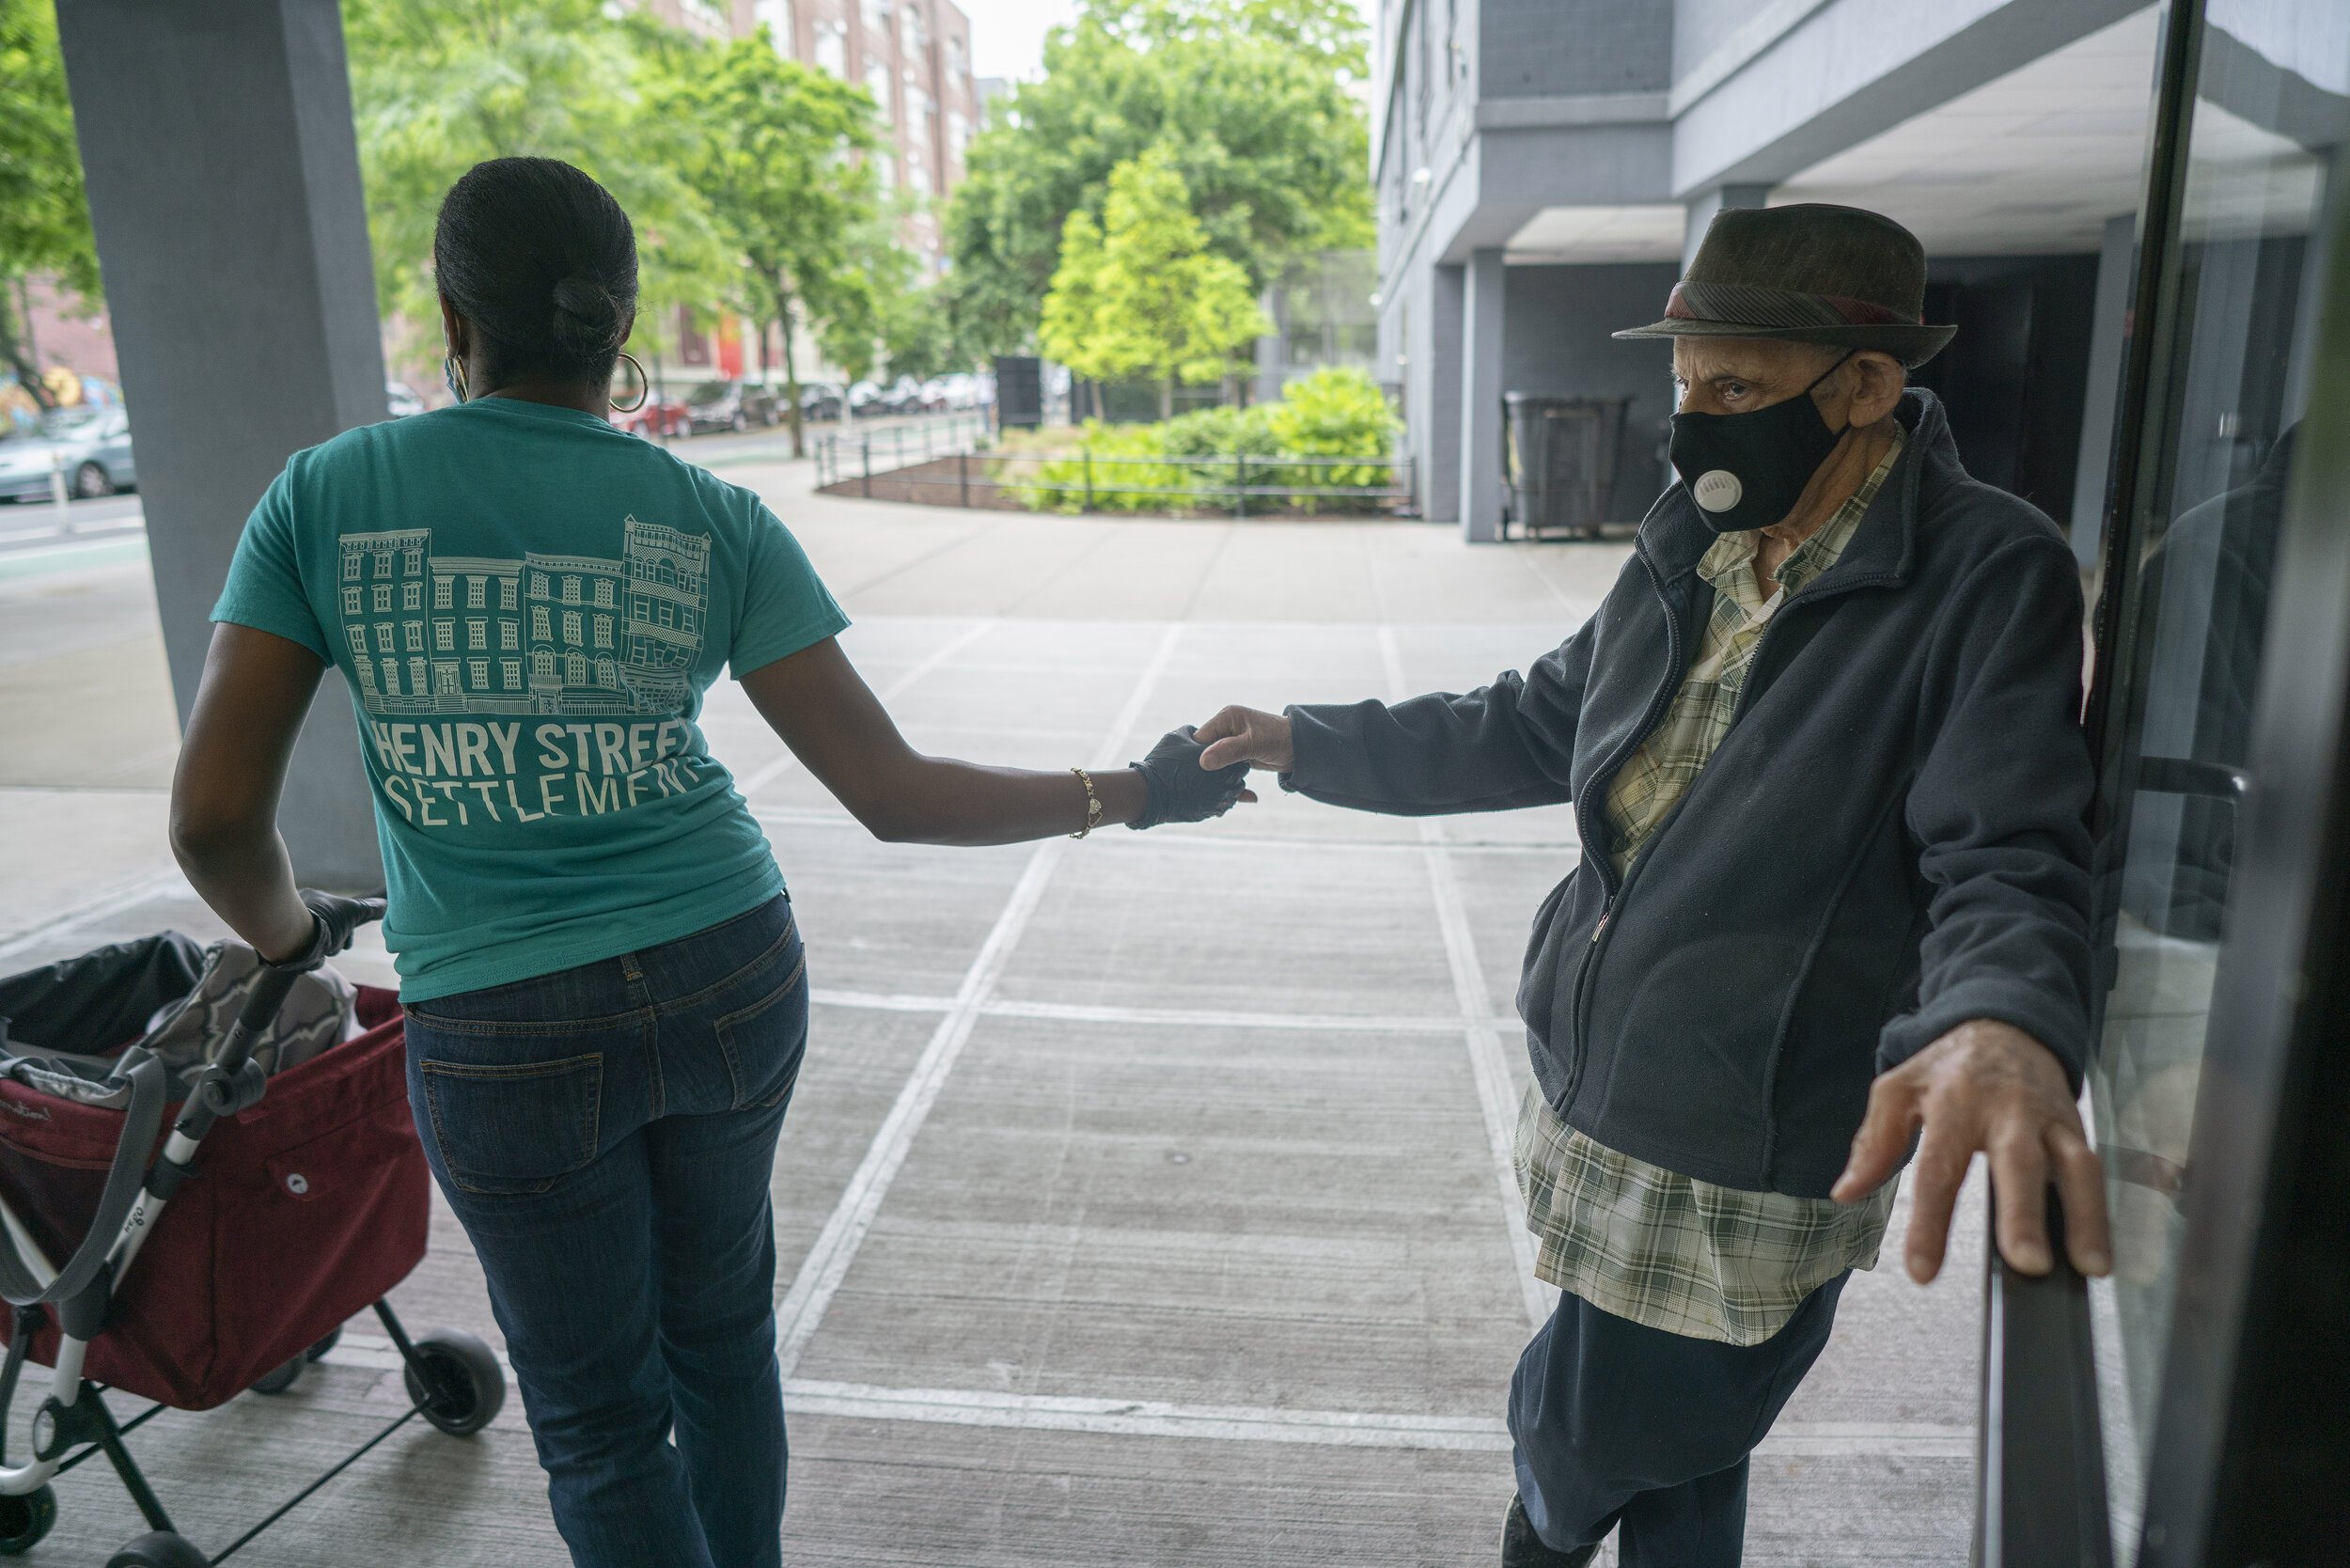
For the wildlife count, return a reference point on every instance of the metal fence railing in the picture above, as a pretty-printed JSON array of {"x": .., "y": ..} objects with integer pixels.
[
  {"x": 912, "y": 466},
  {"x": 845, "y": 453}
]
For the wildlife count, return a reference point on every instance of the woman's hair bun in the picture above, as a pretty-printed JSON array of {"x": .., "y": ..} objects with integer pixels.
[{"x": 586, "y": 315}]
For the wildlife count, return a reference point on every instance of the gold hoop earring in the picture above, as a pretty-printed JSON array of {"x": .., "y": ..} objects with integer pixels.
[
  {"x": 644, "y": 388},
  {"x": 453, "y": 372}
]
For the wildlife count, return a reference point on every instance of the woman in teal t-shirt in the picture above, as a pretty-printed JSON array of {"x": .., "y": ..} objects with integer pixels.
[{"x": 606, "y": 998}]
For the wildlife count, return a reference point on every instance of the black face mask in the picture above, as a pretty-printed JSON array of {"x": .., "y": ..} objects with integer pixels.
[{"x": 1747, "y": 470}]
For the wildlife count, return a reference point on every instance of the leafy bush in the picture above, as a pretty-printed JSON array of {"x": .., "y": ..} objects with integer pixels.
[{"x": 1189, "y": 462}]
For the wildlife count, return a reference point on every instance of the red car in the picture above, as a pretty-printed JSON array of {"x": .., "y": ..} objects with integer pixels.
[{"x": 660, "y": 416}]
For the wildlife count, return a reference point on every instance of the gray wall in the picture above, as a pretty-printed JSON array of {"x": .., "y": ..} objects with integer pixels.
[
  {"x": 224, "y": 187},
  {"x": 1701, "y": 27},
  {"x": 1559, "y": 318},
  {"x": 1543, "y": 48}
]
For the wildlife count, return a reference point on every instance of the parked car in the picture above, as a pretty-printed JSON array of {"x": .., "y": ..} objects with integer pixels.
[
  {"x": 903, "y": 397},
  {"x": 658, "y": 417},
  {"x": 402, "y": 400},
  {"x": 865, "y": 399},
  {"x": 821, "y": 399},
  {"x": 92, "y": 446},
  {"x": 729, "y": 405},
  {"x": 962, "y": 390}
]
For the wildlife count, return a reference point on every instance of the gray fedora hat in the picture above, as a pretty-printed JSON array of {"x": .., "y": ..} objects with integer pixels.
[{"x": 1807, "y": 273}]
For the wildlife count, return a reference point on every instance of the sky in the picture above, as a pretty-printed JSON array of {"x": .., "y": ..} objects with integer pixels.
[{"x": 1007, "y": 36}]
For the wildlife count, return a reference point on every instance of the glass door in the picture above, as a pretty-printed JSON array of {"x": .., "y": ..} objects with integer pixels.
[{"x": 2243, "y": 198}]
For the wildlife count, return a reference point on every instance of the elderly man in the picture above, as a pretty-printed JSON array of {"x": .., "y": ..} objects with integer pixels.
[{"x": 1821, "y": 743}]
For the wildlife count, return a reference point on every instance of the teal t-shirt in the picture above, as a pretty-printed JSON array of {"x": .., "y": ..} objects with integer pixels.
[{"x": 527, "y": 605}]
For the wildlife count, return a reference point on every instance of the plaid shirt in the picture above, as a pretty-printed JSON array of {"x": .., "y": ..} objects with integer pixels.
[{"x": 1662, "y": 1250}]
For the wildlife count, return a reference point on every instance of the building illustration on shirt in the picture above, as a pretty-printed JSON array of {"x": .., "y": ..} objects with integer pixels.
[{"x": 547, "y": 634}]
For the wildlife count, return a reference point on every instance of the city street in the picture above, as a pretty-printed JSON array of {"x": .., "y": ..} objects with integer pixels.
[{"x": 1144, "y": 1200}]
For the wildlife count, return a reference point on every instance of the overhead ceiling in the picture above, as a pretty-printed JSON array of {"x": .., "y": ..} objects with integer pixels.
[{"x": 2033, "y": 163}]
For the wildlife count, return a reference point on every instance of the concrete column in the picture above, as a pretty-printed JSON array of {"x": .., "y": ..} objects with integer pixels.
[
  {"x": 1481, "y": 346},
  {"x": 1702, "y": 207},
  {"x": 1437, "y": 354},
  {"x": 224, "y": 185},
  {"x": 2107, "y": 327}
]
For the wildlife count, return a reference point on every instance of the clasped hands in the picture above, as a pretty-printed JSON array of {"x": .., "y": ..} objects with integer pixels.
[{"x": 1195, "y": 773}]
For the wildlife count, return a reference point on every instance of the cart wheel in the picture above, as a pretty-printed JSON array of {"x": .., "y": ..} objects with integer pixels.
[
  {"x": 24, "y": 1520},
  {"x": 281, "y": 1378},
  {"x": 162, "y": 1550},
  {"x": 467, "y": 1384},
  {"x": 320, "y": 1351}
]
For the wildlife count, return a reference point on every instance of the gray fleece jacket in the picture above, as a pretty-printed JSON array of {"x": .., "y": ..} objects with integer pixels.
[{"x": 1889, "y": 842}]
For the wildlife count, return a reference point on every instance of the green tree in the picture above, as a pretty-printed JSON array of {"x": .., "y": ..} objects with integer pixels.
[
  {"x": 779, "y": 163},
  {"x": 438, "y": 85},
  {"x": 44, "y": 221},
  {"x": 1253, "y": 102},
  {"x": 1143, "y": 294}
]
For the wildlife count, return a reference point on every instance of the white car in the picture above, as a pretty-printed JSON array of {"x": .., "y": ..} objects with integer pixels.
[{"x": 91, "y": 445}]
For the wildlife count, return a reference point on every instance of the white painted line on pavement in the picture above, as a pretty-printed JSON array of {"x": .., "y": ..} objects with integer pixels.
[
  {"x": 1146, "y": 1017},
  {"x": 1133, "y": 1417},
  {"x": 114, "y": 901},
  {"x": 1552, "y": 848},
  {"x": 785, "y": 764},
  {"x": 820, "y": 1272},
  {"x": 1495, "y": 1098}
]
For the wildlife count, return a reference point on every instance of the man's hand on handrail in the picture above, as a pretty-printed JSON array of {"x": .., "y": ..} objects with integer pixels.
[{"x": 1984, "y": 1087}]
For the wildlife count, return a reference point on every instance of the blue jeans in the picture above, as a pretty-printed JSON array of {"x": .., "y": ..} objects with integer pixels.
[
  {"x": 607, "y": 1135},
  {"x": 1619, "y": 1426}
]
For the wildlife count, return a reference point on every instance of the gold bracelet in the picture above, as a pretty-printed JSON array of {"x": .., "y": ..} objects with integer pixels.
[{"x": 1093, "y": 804}]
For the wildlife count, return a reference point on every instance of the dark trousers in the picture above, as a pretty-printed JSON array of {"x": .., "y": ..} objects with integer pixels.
[
  {"x": 1624, "y": 1427},
  {"x": 607, "y": 1137}
]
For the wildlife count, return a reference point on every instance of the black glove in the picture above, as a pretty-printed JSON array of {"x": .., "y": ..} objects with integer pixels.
[
  {"x": 1179, "y": 789},
  {"x": 337, "y": 918}
]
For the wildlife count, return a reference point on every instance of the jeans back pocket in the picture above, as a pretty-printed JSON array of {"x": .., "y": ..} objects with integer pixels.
[{"x": 515, "y": 1128}]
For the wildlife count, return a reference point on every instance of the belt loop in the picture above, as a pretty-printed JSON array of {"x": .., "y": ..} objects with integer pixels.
[{"x": 629, "y": 968}]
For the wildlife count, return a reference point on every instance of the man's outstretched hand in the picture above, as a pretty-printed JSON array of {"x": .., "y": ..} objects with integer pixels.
[
  {"x": 1991, "y": 1087},
  {"x": 1246, "y": 736}
]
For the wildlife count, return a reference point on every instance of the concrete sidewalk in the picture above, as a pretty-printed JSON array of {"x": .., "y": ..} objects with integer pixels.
[{"x": 1145, "y": 1199}]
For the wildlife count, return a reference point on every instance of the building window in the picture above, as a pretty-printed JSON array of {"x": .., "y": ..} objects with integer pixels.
[
  {"x": 382, "y": 598},
  {"x": 412, "y": 635},
  {"x": 538, "y": 585},
  {"x": 477, "y": 635},
  {"x": 412, "y": 596},
  {"x": 571, "y": 591},
  {"x": 350, "y": 566},
  {"x": 474, "y": 595},
  {"x": 442, "y": 588},
  {"x": 358, "y": 640},
  {"x": 884, "y": 171},
  {"x": 445, "y": 679},
  {"x": 414, "y": 560},
  {"x": 669, "y": 613},
  {"x": 879, "y": 82},
  {"x": 542, "y": 665},
  {"x": 384, "y": 563},
  {"x": 513, "y": 671},
  {"x": 574, "y": 670},
  {"x": 384, "y": 637},
  {"x": 480, "y": 671},
  {"x": 604, "y": 591},
  {"x": 954, "y": 54},
  {"x": 606, "y": 674},
  {"x": 832, "y": 48},
  {"x": 539, "y": 623},
  {"x": 444, "y": 637},
  {"x": 391, "y": 676},
  {"x": 509, "y": 636},
  {"x": 571, "y": 627},
  {"x": 775, "y": 16},
  {"x": 419, "y": 677},
  {"x": 506, "y": 593},
  {"x": 604, "y": 631},
  {"x": 352, "y": 602}
]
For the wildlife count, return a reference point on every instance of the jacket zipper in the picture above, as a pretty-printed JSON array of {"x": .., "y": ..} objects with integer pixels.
[{"x": 1609, "y": 886}]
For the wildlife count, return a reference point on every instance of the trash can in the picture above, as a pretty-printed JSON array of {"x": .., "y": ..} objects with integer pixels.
[
  {"x": 1562, "y": 461},
  {"x": 1019, "y": 392}
]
